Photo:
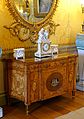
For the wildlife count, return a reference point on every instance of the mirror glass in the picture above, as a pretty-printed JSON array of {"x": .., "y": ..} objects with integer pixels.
[
  {"x": 30, "y": 16},
  {"x": 33, "y": 10}
]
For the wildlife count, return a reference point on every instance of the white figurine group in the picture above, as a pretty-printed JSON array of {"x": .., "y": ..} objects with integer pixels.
[{"x": 43, "y": 35}]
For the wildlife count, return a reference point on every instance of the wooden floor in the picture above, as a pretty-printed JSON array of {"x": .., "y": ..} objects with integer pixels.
[{"x": 50, "y": 109}]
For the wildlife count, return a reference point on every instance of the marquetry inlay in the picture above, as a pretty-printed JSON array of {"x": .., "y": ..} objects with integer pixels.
[
  {"x": 31, "y": 81},
  {"x": 54, "y": 81}
]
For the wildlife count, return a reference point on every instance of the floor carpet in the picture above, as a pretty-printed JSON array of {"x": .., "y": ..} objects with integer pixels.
[{"x": 78, "y": 114}]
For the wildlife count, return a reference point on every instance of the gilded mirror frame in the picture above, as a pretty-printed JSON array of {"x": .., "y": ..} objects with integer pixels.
[{"x": 24, "y": 29}]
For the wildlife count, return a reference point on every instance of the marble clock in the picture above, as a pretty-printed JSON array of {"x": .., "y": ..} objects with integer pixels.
[
  {"x": 44, "y": 49},
  {"x": 44, "y": 43}
]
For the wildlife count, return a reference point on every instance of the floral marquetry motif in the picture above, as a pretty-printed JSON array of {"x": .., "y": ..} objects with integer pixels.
[
  {"x": 71, "y": 75},
  {"x": 34, "y": 86},
  {"x": 17, "y": 86},
  {"x": 17, "y": 80},
  {"x": 71, "y": 68},
  {"x": 54, "y": 64}
]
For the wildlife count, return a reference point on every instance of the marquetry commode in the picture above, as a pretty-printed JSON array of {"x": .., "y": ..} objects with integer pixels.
[{"x": 34, "y": 79}]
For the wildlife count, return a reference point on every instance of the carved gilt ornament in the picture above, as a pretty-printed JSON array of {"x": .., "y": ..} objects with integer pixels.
[{"x": 28, "y": 20}]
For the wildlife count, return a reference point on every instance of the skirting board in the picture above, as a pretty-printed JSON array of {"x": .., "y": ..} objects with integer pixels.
[{"x": 2, "y": 99}]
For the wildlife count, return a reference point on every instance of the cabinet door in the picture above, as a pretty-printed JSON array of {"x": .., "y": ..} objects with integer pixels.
[
  {"x": 33, "y": 83},
  {"x": 54, "y": 78}
]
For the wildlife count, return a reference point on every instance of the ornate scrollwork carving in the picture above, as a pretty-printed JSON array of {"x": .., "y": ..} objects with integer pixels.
[{"x": 26, "y": 30}]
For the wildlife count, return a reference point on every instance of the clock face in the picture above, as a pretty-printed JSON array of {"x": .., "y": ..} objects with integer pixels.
[{"x": 46, "y": 47}]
